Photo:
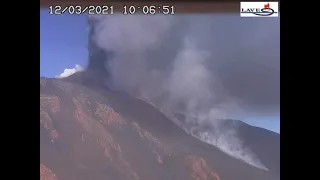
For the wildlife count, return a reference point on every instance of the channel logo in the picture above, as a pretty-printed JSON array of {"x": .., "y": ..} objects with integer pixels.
[{"x": 259, "y": 9}]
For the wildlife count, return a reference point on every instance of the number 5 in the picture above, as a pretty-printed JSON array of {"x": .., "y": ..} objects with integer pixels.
[{"x": 165, "y": 9}]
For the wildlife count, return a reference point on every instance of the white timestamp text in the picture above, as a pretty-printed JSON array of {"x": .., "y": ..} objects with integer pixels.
[{"x": 77, "y": 9}]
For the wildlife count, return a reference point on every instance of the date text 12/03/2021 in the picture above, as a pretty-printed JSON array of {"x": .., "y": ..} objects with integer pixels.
[
  {"x": 78, "y": 9},
  {"x": 105, "y": 10}
]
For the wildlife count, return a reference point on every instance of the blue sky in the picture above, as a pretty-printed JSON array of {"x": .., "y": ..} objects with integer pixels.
[{"x": 63, "y": 44}]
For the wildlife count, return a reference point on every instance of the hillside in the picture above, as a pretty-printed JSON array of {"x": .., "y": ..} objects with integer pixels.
[{"x": 88, "y": 132}]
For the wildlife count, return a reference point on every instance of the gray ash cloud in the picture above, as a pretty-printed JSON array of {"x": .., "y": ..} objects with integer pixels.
[{"x": 206, "y": 66}]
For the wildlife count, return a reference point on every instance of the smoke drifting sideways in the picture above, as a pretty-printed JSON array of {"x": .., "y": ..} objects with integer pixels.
[{"x": 202, "y": 66}]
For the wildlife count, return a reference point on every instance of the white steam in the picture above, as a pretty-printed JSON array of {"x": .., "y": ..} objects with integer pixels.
[
  {"x": 68, "y": 72},
  {"x": 190, "y": 80},
  {"x": 164, "y": 59}
]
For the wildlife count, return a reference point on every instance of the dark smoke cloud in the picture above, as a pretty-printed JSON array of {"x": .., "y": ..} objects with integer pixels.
[{"x": 204, "y": 66}]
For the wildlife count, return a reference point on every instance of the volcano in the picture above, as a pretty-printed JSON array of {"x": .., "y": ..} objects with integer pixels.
[{"x": 88, "y": 132}]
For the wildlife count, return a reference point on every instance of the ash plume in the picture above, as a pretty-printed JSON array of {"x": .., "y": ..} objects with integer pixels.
[{"x": 202, "y": 66}]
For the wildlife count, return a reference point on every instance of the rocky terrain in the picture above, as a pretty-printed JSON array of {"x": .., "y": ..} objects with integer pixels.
[{"x": 88, "y": 132}]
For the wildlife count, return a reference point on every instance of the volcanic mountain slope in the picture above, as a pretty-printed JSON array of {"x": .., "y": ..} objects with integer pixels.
[
  {"x": 91, "y": 133},
  {"x": 265, "y": 144},
  {"x": 231, "y": 135}
]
